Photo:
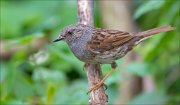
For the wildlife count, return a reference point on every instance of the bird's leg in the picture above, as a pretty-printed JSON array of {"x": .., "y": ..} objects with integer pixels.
[{"x": 98, "y": 85}]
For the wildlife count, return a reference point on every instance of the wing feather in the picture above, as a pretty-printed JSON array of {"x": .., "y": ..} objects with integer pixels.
[{"x": 104, "y": 40}]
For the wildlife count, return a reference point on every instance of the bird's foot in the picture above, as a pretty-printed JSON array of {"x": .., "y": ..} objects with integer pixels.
[{"x": 97, "y": 86}]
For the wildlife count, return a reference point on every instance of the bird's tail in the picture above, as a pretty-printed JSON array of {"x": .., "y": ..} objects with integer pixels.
[
  {"x": 146, "y": 34},
  {"x": 153, "y": 31}
]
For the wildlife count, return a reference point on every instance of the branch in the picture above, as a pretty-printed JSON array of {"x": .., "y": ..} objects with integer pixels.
[
  {"x": 94, "y": 74},
  {"x": 9, "y": 48}
]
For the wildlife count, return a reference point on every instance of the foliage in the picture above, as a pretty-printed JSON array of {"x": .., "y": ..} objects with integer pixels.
[
  {"x": 51, "y": 74},
  {"x": 161, "y": 52}
]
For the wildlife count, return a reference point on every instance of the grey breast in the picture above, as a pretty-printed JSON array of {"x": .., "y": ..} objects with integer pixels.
[{"x": 78, "y": 46}]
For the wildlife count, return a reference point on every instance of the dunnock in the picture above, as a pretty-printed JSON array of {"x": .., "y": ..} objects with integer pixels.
[{"x": 101, "y": 46}]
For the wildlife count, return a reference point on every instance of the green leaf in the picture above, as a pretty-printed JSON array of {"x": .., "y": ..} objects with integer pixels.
[
  {"x": 3, "y": 72},
  {"x": 70, "y": 58},
  {"x": 165, "y": 39},
  {"x": 50, "y": 93},
  {"x": 147, "y": 7},
  {"x": 79, "y": 96},
  {"x": 43, "y": 74},
  {"x": 14, "y": 102},
  {"x": 29, "y": 38},
  {"x": 139, "y": 69},
  {"x": 150, "y": 98},
  {"x": 45, "y": 79}
]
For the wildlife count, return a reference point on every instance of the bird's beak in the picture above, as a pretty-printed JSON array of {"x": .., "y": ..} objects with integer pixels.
[{"x": 59, "y": 38}]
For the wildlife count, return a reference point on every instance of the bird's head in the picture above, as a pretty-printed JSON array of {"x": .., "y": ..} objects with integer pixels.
[{"x": 71, "y": 33}]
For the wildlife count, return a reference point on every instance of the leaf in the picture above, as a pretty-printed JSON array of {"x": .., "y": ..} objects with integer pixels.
[
  {"x": 139, "y": 69},
  {"x": 50, "y": 93},
  {"x": 3, "y": 72},
  {"x": 70, "y": 58},
  {"x": 43, "y": 74},
  {"x": 43, "y": 78},
  {"x": 165, "y": 39},
  {"x": 29, "y": 38},
  {"x": 14, "y": 102},
  {"x": 79, "y": 96},
  {"x": 147, "y": 7},
  {"x": 151, "y": 98}
]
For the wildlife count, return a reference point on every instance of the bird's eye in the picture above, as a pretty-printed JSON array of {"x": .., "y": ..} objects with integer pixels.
[{"x": 69, "y": 32}]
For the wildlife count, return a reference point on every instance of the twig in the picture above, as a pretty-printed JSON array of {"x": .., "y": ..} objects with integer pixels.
[{"x": 94, "y": 74}]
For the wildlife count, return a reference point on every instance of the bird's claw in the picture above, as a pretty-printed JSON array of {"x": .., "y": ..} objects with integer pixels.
[{"x": 97, "y": 86}]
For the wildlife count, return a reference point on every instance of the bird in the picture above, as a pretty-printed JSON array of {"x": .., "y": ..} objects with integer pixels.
[{"x": 103, "y": 46}]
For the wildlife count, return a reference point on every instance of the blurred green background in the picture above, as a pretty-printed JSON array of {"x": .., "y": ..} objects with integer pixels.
[{"x": 33, "y": 70}]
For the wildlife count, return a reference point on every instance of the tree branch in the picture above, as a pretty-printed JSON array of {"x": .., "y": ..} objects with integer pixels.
[
  {"x": 94, "y": 74},
  {"x": 9, "y": 48}
]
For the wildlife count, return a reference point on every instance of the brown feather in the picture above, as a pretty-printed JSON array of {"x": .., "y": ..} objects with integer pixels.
[{"x": 104, "y": 40}]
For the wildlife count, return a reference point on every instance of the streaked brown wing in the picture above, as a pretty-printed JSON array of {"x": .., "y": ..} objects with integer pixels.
[{"x": 104, "y": 40}]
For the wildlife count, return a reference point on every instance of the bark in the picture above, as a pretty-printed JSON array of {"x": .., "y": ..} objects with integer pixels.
[{"x": 94, "y": 74}]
